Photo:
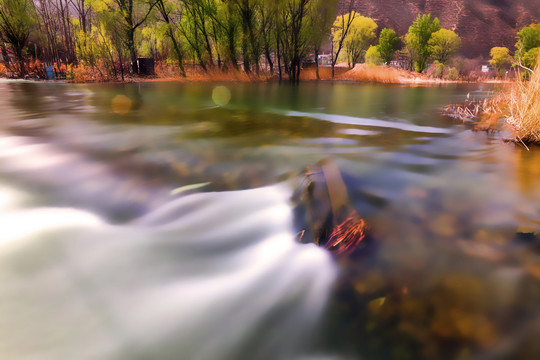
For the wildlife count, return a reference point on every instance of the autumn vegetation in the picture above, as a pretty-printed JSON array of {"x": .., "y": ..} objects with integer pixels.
[
  {"x": 237, "y": 40},
  {"x": 519, "y": 104},
  {"x": 523, "y": 112},
  {"x": 102, "y": 40}
]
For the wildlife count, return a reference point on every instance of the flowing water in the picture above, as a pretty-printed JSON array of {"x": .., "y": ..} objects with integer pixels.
[{"x": 155, "y": 221}]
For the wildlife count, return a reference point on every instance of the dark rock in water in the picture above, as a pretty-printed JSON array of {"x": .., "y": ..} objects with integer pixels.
[{"x": 324, "y": 214}]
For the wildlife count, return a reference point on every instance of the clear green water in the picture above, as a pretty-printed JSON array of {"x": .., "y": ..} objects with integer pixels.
[{"x": 455, "y": 271}]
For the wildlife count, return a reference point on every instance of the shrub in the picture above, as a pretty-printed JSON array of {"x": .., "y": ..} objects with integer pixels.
[
  {"x": 373, "y": 57},
  {"x": 524, "y": 108},
  {"x": 453, "y": 74}
]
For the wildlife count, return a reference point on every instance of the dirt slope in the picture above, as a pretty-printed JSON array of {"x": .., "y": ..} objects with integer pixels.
[{"x": 481, "y": 23}]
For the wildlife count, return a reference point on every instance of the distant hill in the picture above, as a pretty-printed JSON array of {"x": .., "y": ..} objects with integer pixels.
[{"x": 482, "y": 24}]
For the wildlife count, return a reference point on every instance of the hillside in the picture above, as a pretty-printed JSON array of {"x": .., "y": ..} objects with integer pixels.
[{"x": 482, "y": 24}]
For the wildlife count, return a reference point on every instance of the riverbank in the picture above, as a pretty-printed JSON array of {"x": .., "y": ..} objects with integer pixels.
[
  {"x": 167, "y": 73},
  {"x": 518, "y": 106}
]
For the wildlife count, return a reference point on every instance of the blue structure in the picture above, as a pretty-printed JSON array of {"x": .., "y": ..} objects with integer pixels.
[{"x": 50, "y": 72}]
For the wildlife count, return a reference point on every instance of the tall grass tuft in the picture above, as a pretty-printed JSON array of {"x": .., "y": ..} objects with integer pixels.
[
  {"x": 524, "y": 108},
  {"x": 379, "y": 74}
]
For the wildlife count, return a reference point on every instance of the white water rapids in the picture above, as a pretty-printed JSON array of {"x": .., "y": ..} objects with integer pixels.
[{"x": 204, "y": 277}]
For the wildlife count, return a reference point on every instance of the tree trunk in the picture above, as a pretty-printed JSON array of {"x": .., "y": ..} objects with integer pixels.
[
  {"x": 232, "y": 47},
  {"x": 279, "y": 58},
  {"x": 132, "y": 52},
  {"x": 332, "y": 60},
  {"x": 178, "y": 52},
  {"x": 269, "y": 59},
  {"x": 20, "y": 60},
  {"x": 245, "y": 52},
  {"x": 317, "y": 62}
]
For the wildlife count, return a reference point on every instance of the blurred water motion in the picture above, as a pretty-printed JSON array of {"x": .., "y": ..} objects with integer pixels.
[
  {"x": 168, "y": 286},
  {"x": 107, "y": 252}
]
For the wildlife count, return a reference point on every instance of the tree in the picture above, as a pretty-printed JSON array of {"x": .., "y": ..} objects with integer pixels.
[
  {"x": 444, "y": 44},
  {"x": 360, "y": 37},
  {"x": 321, "y": 14},
  {"x": 251, "y": 45},
  {"x": 165, "y": 9},
  {"x": 294, "y": 38},
  {"x": 17, "y": 20},
  {"x": 388, "y": 45},
  {"x": 196, "y": 28},
  {"x": 500, "y": 59},
  {"x": 340, "y": 30},
  {"x": 417, "y": 40},
  {"x": 373, "y": 56},
  {"x": 133, "y": 13},
  {"x": 82, "y": 8},
  {"x": 530, "y": 58},
  {"x": 527, "y": 45}
]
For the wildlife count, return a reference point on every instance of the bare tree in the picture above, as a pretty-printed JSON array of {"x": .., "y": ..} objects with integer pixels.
[{"x": 345, "y": 21}]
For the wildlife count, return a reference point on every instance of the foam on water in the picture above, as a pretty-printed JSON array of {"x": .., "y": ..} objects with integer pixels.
[
  {"x": 353, "y": 120},
  {"x": 208, "y": 276}
]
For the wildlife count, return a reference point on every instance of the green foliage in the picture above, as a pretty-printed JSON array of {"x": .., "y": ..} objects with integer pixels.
[
  {"x": 359, "y": 38},
  {"x": 373, "y": 56},
  {"x": 443, "y": 44},
  {"x": 321, "y": 15},
  {"x": 417, "y": 40},
  {"x": 528, "y": 44},
  {"x": 530, "y": 58},
  {"x": 17, "y": 21},
  {"x": 453, "y": 74},
  {"x": 388, "y": 45},
  {"x": 528, "y": 38},
  {"x": 500, "y": 60}
]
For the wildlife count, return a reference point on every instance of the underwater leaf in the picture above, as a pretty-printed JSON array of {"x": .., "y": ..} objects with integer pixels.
[{"x": 188, "y": 188}]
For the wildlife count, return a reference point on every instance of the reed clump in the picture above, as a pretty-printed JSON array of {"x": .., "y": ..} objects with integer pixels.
[
  {"x": 524, "y": 108},
  {"x": 485, "y": 113},
  {"x": 378, "y": 74},
  {"x": 517, "y": 106}
]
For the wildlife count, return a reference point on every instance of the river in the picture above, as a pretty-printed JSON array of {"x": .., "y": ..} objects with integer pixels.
[{"x": 155, "y": 221}]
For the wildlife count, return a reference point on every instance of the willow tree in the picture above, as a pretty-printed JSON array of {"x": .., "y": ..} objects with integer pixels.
[
  {"x": 249, "y": 12},
  {"x": 360, "y": 37},
  {"x": 294, "y": 39},
  {"x": 132, "y": 14},
  {"x": 166, "y": 10},
  {"x": 321, "y": 14},
  {"x": 197, "y": 30},
  {"x": 17, "y": 20}
]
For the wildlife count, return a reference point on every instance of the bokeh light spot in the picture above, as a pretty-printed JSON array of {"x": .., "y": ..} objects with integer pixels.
[
  {"x": 121, "y": 104},
  {"x": 221, "y": 95}
]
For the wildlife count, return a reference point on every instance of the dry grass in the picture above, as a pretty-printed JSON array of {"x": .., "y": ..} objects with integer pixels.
[
  {"x": 379, "y": 74},
  {"x": 519, "y": 107},
  {"x": 486, "y": 113},
  {"x": 165, "y": 72},
  {"x": 325, "y": 72},
  {"x": 524, "y": 109}
]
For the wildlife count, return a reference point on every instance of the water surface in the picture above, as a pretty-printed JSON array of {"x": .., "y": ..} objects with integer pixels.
[{"x": 454, "y": 272}]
